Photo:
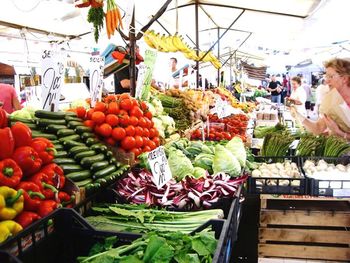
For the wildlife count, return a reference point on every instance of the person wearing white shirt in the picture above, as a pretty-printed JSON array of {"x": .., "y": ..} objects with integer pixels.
[
  {"x": 321, "y": 91},
  {"x": 298, "y": 96}
]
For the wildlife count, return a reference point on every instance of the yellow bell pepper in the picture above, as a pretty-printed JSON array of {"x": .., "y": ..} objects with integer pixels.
[
  {"x": 8, "y": 228},
  {"x": 11, "y": 202}
]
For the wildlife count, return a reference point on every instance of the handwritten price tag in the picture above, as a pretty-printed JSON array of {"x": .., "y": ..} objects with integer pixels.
[
  {"x": 52, "y": 76},
  {"x": 96, "y": 78},
  {"x": 159, "y": 167}
]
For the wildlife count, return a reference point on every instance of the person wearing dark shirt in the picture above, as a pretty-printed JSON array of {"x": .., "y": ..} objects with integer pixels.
[{"x": 275, "y": 88}]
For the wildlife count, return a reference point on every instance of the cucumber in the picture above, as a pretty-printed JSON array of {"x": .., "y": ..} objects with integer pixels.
[
  {"x": 50, "y": 114},
  {"x": 60, "y": 161},
  {"x": 74, "y": 137},
  {"x": 61, "y": 154},
  {"x": 58, "y": 147},
  {"x": 99, "y": 147},
  {"x": 36, "y": 134},
  {"x": 47, "y": 122},
  {"x": 104, "y": 172},
  {"x": 71, "y": 113},
  {"x": 88, "y": 161},
  {"x": 87, "y": 135},
  {"x": 24, "y": 120},
  {"x": 71, "y": 168},
  {"x": 76, "y": 149},
  {"x": 109, "y": 154},
  {"x": 32, "y": 126},
  {"x": 65, "y": 132},
  {"x": 91, "y": 141},
  {"x": 81, "y": 129},
  {"x": 72, "y": 118},
  {"x": 55, "y": 128},
  {"x": 89, "y": 188},
  {"x": 74, "y": 124},
  {"x": 101, "y": 181},
  {"x": 83, "y": 183},
  {"x": 70, "y": 144},
  {"x": 113, "y": 160},
  {"x": 98, "y": 166},
  {"x": 81, "y": 155},
  {"x": 79, "y": 176}
]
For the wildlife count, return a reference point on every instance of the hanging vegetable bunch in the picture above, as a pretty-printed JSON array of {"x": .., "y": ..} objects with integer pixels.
[{"x": 113, "y": 18}]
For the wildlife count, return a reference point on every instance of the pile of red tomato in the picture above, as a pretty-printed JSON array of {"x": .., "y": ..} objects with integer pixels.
[
  {"x": 225, "y": 128},
  {"x": 122, "y": 121}
]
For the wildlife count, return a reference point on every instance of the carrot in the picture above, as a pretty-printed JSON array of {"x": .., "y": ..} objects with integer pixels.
[
  {"x": 119, "y": 18},
  {"x": 108, "y": 25},
  {"x": 115, "y": 18},
  {"x": 113, "y": 21}
]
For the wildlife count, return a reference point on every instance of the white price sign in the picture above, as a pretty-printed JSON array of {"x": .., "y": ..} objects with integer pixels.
[
  {"x": 140, "y": 79},
  {"x": 96, "y": 78},
  {"x": 52, "y": 77},
  {"x": 221, "y": 108},
  {"x": 159, "y": 167}
]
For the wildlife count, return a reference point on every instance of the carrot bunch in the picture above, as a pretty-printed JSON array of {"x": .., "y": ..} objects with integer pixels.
[{"x": 113, "y": 18}]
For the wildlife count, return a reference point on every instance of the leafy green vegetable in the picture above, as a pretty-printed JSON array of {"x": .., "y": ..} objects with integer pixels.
[
  {"x": 224, "y": 161},
  {"x": 236, "y": 147},
  {"x": 204, "y": 161},
  {"x": 199, "y": 172},
  {"x": 158, "y": 250},
  {"x": 179, "y": 164}
]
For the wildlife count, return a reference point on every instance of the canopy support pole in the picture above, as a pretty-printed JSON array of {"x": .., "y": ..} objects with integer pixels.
[
  {"x": 197, "y": 44},
  {"x": 132, "y": 45},
  {"x": 236, "y": 50},
  {"x": 219, "y": 55}
]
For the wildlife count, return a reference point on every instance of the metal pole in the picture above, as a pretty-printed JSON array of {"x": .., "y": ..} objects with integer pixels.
[
  {"x": 197, "y": 44},
  {"x": 218, "y": 41},
  {"x": 132, "y": 54},
  {"x": 232, "y": 54}
]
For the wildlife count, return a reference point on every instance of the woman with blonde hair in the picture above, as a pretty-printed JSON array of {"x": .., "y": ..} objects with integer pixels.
[{"x": 335, "y": 107}]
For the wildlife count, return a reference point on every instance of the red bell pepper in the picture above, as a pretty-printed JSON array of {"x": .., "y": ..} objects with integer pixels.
[
  {"x": 32, "y": 195},
  {"x": 44, "y": 148},
  {"x": 26, "y": 218},
  {"x": 22, "y": 134},
  {"x": 10, "y": 173},
  {"x": 28, "y": 159},
  {"x": 55, "y": 173},
  {"x": 47, "y": 207},
  {"x": 66, "y": 199},
  {"x": 3, "y": 119},
  {"x": 45, "y": 184},
  {"x": 7, "y": 143}
]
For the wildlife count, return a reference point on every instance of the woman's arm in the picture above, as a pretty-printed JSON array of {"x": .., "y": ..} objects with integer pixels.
[{"x": 316, "y": 127}]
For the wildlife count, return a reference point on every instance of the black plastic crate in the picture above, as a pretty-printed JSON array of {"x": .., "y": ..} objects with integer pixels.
[
  {"x": 331, "y": 188},
  {"x": 263, "y": 185}
]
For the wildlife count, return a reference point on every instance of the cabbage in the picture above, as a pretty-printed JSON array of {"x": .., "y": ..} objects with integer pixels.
[
  {"x": 79, "y": 103},
  {"x": 236, "y": 147},
  {"x": 23, "y": 113},
  {"x": 225, "y": 161},
  {"x": 199, "y": 172},
  {"x": 180, "y": 165},
  {"x": 159, "y": 126},
  {"x": 152, "y": 109},
  {"x": 158, "y": 106},
  {"x": 204, "y": 161}
]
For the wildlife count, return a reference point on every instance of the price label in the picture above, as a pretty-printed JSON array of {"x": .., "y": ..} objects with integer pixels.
[
  {"x": 52, "y": 77},
  {"x": 96, "y": 78},
  {"x": 341, "y": 192},
  {"x": 159, "y": 167},
  {"x": 140, "y": 79},
  {"x": 150, "y": 61}
]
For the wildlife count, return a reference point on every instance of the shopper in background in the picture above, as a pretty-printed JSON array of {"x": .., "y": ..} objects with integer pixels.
[
  {"x": 335, "y": 107},
  {"x": 321, "y": 91},
  {"x": 8, "y": 98},
  {"x": 307, "y": 89},
  {"x": 298, "y": 96},
  {"x": 275, "y": 88},
  {"x": 285, "y": 85}
]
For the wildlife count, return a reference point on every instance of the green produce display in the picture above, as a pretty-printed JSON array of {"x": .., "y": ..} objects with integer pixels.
[
  {"x": 262, "y": 131},
  {"x": 276, "y": 144}
]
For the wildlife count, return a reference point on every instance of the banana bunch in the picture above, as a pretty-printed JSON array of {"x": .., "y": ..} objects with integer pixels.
[{"x": 176, "y": 43}]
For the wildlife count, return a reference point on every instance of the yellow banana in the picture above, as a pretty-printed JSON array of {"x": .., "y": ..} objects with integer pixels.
[
  {"x": 148, "y": 39},
  {"x": 169, "y": 44}
]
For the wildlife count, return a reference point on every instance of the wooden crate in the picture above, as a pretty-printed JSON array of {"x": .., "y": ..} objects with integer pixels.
[{"x": 304, "y": 227}]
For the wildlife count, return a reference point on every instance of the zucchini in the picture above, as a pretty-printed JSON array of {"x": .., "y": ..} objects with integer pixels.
[
  {"x": 55, "y": 128},
  {"x": 104, "y": 172},
  {"x": 70, "y": 144},
  {"x": 99, "y": 147},
  {"x": 81, "y": 155},
  {"x": 113, "y": 160},
  {"x": 50, "y": 114},
  {"x": 89, "y": 188},
  {"x": 24, "y": 120},
  {"x": 109, "y": 154},
  {"x": 101, "y": 181},
  {"x": 36, "y": 134},
  {"x": 74, "y": 137},
  {"x": 65, "y": 132},
  {"x": 74, "y": 124},
  {"x": 61, "y": 154},
  {"x": 79, "y": 176},
  {"x": 81, "y": 129},
  {"x": 87, "y": 135},
  {"x": 91, "y": 141},
  {"x": 47, "y": 122},
  {"x": 99, "y": 165},
  {"x": 88, "y": 161},
  {"x": 76, "y": 149},
  {"x": 60, "y": 161},
  {"x": 71, "y": 113},
  {"x": 71, "y": 168},
  {"x": 72, "y": 118},
  {"x": 58, "y": 147},
  {"x": 83, "y": 183}
]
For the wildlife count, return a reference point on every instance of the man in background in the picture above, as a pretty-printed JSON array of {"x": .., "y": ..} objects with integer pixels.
[{"x": 275, "y": 87}]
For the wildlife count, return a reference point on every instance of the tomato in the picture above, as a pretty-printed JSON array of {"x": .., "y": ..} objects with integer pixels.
[
  {"x": 128, "y": 143},
  {"x": 139, "y": 141},
  {"x": 145, "y": 141},
  {"x": 126, "y": 104},
  {"x": 152, "y": 132},
  {"x": 134, "y": 102},
  {"x": 89, "y": 123},
  {"x": 124, "y": 96},
  {"x": 81, "y": 112},
  {"x": 152, "y": 145},
  {"x": 118, "y": 133},
  {"x": 136, "y": 111},
  {"x": 148, "y": 115},
  {"x": 138, "y": 131},
  {"x": 89, "y": 113},
  {"x": 112, "y": 120},
  {"x": 111, "y": 141},
  {"x": 148, "y": 123},
  {"x": 146, "y": 149},
  {"x": 105, "y": 130},
  {"x": 133, "y": 121},
  {"x": 211, "y": 136},
  {"x": 146, "y": 132},
  {"x": 226, "y": 135},
  {"x": 136, "y": 151},
  {"x": 124, "y": 120},
  {"x": 98, "y": 117},
  {"x": 100, "y": 106},
  {"x": 130, "y": 130},
  {"x": 142, "y": 122},
  {"x": 143, "y": 106},
  {"x": 123, "y": 112},
  {"x": 113, "y": 108},
  {"x": 156, "y": 140}
]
